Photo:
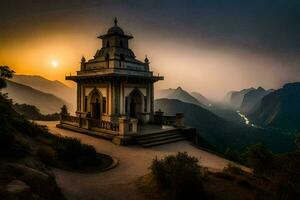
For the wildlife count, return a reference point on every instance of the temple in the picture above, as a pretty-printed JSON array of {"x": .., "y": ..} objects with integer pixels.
[
  {"x": 115, "y": 91},
  {"x": 114, "y": 83}
]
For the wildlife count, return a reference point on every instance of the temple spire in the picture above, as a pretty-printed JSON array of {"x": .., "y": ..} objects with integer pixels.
[{"x": 116, "y": 21}]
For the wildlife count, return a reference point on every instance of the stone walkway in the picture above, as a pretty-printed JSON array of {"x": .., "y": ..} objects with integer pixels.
[{"x": 119, "y": 183}]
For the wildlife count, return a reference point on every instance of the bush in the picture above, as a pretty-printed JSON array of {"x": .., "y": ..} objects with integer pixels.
[
  {"x": 74, "y": 153},
  {"x": 225, "y": 176},
  {"x": 47, "y": 155},
  {"x": 241, "y": 181},
  {"x": 233, "y": 155},
  {"x": 259, "y": 158},
  {"x": 233, "y": 170},
  {"x": 180, "y": 175}
]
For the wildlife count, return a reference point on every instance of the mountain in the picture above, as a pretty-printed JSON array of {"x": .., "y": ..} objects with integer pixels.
[
  {"x": 53, "y": 87},
  {"x": 163, "y": 93},
  {"x": 45, "y": 102},
  {"x": 178, "y": 94},
  {"x": 280, "y": 109},
  {"x": 252, "y": 98},
  {"x": 236, "y": 97},
  {"x": 202, "y": 99},
  {"x": 222, "y": 133}
]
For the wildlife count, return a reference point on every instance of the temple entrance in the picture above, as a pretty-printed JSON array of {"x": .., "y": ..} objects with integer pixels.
[
  {"x": 135, "y": 106},
  {"x": 95, "y": 107},
  {"x": 96, "y": 110}
]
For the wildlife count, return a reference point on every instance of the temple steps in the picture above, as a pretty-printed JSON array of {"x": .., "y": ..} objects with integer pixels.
[{"x": 160, "y": 138}]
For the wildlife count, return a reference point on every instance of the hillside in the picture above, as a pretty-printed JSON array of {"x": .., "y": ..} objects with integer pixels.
[
  {"x": 221, "y": 133},
  {"x": 28, "y": 152},
  {"x": 178, "y": 94},
  {"x": 202, "y": 99},
  {"x": 236, "y": 97},
  {"x": 45, "y": 102},
  {"x": 40, "y": 83},
  {"x": 252, "y": 98},
  {"x": 279, "y": 109}
]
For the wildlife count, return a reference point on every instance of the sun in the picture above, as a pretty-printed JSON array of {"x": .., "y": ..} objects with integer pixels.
[{"x": 54, "y": 63}]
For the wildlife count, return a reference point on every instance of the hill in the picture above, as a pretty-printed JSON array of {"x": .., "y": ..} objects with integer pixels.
[
  {"x": 40, "y": 83},
  {"x": 279, "y": 109},
  {"x": 236, "y": 97},
  {"x": 45, "y": 102},
  {"x": 202, "y": 99},
  {"x": 252, "y": 98},
  {"x": 28, "y": 152},
  {"x": 178, "y": 94},
  {"x": 221, "y": 133}
]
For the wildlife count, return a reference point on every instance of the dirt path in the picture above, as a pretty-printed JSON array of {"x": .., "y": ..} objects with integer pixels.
[{"x": 134, "y": 161}]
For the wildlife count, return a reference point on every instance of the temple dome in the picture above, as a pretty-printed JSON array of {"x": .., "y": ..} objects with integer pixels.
[{"x": 115, "y": 30}]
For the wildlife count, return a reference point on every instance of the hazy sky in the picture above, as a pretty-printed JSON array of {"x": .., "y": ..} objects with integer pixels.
[{"x": 209, "y": 46}]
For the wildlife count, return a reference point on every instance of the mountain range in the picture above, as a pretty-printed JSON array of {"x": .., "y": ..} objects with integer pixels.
[
  {"x": 236, "y": 97},
  {"x": 181, "y": 95},
  {"x": 40, "y": 83},
  {"x": 47, "y": 103},
  {"x": 222, "y": 133},
  {"x": 280, "y": 108},
  {"x": 252, "y": 99}
]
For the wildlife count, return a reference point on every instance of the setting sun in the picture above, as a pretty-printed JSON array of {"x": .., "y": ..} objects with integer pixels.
[{"x": 54, "y": 63}]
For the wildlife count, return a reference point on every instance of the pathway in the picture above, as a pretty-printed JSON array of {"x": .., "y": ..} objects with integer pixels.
[{"x": 119, "y": 183}]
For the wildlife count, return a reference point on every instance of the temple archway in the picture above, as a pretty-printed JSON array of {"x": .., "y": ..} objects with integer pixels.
[
  {"x": 136, "y": 103},
  {"x": 95, "y": 98}
]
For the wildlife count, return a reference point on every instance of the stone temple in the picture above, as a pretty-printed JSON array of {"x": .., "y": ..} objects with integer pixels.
[{"x": 115, "y": 92}]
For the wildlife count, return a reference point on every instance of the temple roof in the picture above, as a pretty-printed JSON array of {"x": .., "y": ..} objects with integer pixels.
[{"x": 115, "y": 29}]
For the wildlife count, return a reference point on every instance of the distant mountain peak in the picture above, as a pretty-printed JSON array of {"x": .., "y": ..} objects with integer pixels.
[{"x": 261, "y": 88}]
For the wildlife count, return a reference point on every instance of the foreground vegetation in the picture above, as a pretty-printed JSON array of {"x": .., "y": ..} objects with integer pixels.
[
  {"x": 182, "y": 177},
  {"x": 27, "y": 151},
  {"x": 33, "y": 113}
]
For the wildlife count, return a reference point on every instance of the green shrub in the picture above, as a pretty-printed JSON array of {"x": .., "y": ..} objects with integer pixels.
[
  {"x": 180, "y": 175},
  {"x": 74, "y": 153}
]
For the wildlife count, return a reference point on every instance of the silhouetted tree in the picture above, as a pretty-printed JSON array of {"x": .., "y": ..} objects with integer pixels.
[
  {"x": 5, "y": 72},
  {"x": 259, "y": 158},
  {"x": 64, "y": 110}
]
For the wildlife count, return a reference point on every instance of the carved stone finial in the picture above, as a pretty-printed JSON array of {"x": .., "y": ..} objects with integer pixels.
[
  {"x": 116, "y": 21},
  {"x": 83, "y": 59},
  {"x": 146, "y": 59}
]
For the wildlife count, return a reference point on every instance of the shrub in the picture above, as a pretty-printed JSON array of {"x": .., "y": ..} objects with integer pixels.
[
  {"x": 46, "y": 154},
  {"x": 74, "y": 153},
  {"x": 259, "y": 158},
  {"x": 180, "y": 175},
  {"x": 233, "y": 169},
  {"x": 241, "y": 181},
  {"x": 225, "y": 176},
  {"x": 233, "y": 155}
]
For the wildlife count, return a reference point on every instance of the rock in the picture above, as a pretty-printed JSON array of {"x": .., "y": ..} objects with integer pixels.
[
  {"x": 30, "y": 173},
  {"x": 17, "y": 186}
]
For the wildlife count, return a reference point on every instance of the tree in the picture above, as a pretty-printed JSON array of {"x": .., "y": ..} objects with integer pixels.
[
  {"x": 64, "y": 110},
  {"x": 259, "y": 158},
  {"x": 180, "y": 175},
  {"x": 5, "y": 73}
]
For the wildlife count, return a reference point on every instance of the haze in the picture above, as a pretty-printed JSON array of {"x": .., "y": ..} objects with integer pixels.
[{"x": 210, "y": 47}]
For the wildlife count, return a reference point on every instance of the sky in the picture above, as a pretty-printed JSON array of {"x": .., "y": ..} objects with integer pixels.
[{"x": 211, "y": 47}]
